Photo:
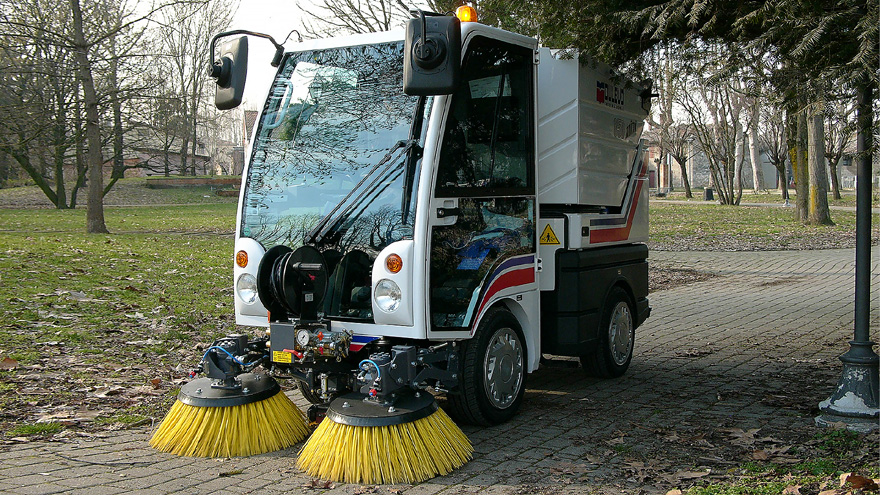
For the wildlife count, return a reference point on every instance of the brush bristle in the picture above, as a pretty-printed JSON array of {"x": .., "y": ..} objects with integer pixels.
[
  {"x": 405, "y": 453},
  {"x": 236, "y": 431}
]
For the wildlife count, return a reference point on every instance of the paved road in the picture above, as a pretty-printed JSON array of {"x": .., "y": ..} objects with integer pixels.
[{"x": 755, "y": 347}]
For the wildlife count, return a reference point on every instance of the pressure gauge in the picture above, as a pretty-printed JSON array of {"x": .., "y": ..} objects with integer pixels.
[{"x": 303, "y": 337}]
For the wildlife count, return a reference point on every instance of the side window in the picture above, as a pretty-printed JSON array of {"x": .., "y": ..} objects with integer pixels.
[{"x": 487, "y": 144}]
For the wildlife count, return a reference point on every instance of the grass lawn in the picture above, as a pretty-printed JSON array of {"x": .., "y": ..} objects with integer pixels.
[
  {"x": 99, "y": 330},
  {"x": 86, "y": 310},
  {"x": 677, "y": 226},
  {"x": 847, "y": 197}
]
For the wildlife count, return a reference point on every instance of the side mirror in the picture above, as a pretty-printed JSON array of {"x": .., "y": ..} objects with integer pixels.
[
  {"x": 432, "y": 55},
  {"x": 230, "y": 73}
]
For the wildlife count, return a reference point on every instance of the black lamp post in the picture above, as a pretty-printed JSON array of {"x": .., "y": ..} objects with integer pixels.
[{"x": 855, "y": 402}]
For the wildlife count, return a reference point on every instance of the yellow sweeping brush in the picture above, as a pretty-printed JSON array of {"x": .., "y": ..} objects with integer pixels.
[
  {"x": 211, "y": 421},
  {"x": 359, "y": 442}
]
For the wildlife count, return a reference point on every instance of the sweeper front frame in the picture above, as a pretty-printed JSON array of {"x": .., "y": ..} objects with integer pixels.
[
  {"x": 422, "y": 213},
  {"x": 486, "y": 206}
]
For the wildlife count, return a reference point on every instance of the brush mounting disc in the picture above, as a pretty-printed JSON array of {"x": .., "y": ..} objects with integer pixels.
[
  {"x": 254, "y": 388},
  {"x": 353, "y": 410}
]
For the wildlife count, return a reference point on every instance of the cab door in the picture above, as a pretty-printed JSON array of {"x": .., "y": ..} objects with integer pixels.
[{"x": 482, "y": 233}]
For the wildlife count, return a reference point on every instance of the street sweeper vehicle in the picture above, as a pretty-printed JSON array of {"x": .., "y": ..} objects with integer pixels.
[{"x": 427, "y": 212}]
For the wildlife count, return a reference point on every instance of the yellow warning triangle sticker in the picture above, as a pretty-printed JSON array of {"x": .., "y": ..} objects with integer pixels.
[{"x": 548, "y": 236}]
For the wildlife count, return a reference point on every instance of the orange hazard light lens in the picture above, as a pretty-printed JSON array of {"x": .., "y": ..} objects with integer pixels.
[
  {"x": 393, "y": 263},
  {"x": 241, "y": 259},
  {"x": 466, "y": 13}
]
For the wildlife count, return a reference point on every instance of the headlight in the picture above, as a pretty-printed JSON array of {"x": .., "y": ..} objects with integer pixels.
[
  {"x": 387, "y": 295},
  {"x": 246, "y": 288}
]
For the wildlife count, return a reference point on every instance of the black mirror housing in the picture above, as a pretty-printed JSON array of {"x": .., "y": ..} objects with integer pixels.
[
  {"x": 432, "y": 60},
  {"x": 230, "y": 73}
]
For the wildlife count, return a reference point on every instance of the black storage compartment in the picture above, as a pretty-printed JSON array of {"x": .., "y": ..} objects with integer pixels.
[{"x": 570, "y": 314}]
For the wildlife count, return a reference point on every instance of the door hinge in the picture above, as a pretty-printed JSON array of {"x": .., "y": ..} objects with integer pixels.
[{"x": 537, "y": 57}]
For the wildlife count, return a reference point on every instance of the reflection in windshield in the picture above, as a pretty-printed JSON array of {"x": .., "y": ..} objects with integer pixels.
[{"x": 331, "y": 117}]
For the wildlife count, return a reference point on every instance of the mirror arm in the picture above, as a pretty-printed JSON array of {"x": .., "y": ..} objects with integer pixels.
[{"x": 216, "y": 65}]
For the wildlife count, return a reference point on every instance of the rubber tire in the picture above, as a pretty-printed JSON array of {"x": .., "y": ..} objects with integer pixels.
[
  {"x": 308, "y": 394},
  {"x": 472, "y": 404},
  {"x": 601, "y": 363}
]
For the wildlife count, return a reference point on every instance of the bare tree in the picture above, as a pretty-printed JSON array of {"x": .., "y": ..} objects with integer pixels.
[
  {"x": 773, "y": 140},
  {"x": 796, "y": 134},
  {"x": 714, "y": 109},
  {"x": 39, "y": 97},
  {"x": 674, "y": 139},
  {"x": 839, "y": 128},
  {"x": 754, "y": 152},
  {"x": 819, "y": 213},
  {"x": 184, "y": 38},
  {"x": 336, "y": 17}
]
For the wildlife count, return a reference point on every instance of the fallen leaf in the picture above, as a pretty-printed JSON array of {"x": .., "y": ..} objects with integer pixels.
[
  {"x": 8, "y": 364},
  {"x": 231, "y": 473},
  {"x": 104, "y": 392},
  {"x": 86, "y": 415},
  {"x": 674, "y": 492},
  {"x": 792, "y": 490},
  {"x": 760, "y": 455},
  {"x": 321, "y": 484},
  {"x": 672, "y": 437},
  {"x": 690, "y": 475},
  {"x": 156, "y": 382},
  {"x": 568, "y": 468},
  {"x": 740, "y": 436},
  {"x": 859, "y": 482}
]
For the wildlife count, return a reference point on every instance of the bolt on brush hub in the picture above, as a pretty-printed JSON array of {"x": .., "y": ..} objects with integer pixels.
[
  {"x": 254, "y": 387},
  {"x": 354, "y": 410}
]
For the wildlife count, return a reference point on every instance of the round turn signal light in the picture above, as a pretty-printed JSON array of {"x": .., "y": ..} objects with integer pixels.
[
  {"x": 393, "y": 263},
  {"x": 241, "y": 259}
]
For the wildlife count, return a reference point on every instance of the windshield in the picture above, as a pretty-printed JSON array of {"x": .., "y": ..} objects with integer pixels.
[{"x": 328, "y": 167}]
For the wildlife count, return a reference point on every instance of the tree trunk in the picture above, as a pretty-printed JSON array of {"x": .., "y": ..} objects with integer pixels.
[
  {"x": 194, "y": 123},
  {"x": 60, "y": 151},
  {"x": 783, "y": 179},
  {"x": 685, "y": 182},
  {"x": 118, "y": 132},
  {"x": 754, "y": 153},
  {"x": 81, "y": 168},
  {"x": 799, "y": 166},
  {"x": 4, "y": 169},
  {"x": 835, "y": 176},
  {"x": 95, "y": 212},
  {"x": 738, "y": 162},
  {"x": 819, "y": 213}
]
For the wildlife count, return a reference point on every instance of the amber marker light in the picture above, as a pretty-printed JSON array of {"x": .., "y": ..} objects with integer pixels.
[
  {"x": 393, "y": 263},
  {"x": 241, "y": 259},
  {"x": 466, "y": 13}
]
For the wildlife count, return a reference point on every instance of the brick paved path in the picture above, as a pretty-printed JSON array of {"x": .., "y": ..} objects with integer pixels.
[{"x": 755, "y": 347}]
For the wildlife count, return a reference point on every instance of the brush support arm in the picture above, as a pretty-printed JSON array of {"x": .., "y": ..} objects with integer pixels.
[
  {"x": 231, "y": 356},
  {"x": 386, "y": 374}
]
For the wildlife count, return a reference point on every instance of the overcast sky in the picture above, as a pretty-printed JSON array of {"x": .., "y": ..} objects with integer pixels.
[{"x": 275, "y": 18}]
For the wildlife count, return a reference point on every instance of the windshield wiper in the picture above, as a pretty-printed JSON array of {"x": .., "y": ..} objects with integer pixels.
[
  {"x": 363, "y": 188},
  {"x": 412, "y": 158}
]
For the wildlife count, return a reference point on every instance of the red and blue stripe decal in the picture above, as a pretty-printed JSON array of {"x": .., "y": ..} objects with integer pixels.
[
  {"x": 516, "y": 271},
  {"x": 359, "y": 341},
  {"x": 619, "y": 233}
]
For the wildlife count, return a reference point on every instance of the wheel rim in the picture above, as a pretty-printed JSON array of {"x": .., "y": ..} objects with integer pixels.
[
  {"x": 620, "y": 332},
  {"x": 503, "y": 368}
]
